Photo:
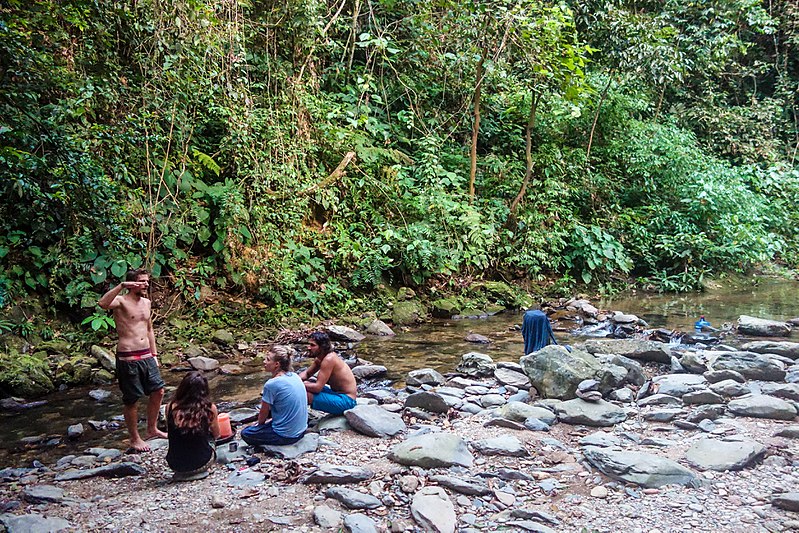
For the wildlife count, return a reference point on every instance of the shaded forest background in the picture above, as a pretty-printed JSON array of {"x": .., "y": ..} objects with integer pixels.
[{"x": 303, "y": 153}]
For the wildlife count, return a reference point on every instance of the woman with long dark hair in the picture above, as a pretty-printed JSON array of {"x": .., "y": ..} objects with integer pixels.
[{"x": 191, "y": 427}]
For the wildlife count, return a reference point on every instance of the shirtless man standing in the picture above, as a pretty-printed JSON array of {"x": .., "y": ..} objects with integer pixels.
[
  {"x": 137, "y": 357},
  {"x": 334, "y": 389}
]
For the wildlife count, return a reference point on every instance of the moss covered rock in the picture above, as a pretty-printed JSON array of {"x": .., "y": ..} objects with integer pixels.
[
  {"x": 445, "y": 307},
  {"x": 407, "y": 313},
  {"x": 25, "y": 375}
]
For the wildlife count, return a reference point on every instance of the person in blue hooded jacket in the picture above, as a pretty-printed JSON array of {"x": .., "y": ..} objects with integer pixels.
[{"x": 536, "y": 331}]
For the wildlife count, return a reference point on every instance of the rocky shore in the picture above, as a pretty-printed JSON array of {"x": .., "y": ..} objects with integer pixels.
[{"x": 612, "y": 434}]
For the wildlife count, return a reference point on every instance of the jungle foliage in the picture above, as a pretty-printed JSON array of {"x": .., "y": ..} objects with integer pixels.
[{"x": 304, "y": 151}]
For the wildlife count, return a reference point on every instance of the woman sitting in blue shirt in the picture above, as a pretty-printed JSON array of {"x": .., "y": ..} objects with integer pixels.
[{"x": 283, "y": 398}]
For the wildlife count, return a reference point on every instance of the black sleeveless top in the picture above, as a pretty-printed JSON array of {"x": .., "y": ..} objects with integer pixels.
[{"x": 188, "y": 451}]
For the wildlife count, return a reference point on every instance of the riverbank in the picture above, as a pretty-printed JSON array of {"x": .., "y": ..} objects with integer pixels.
[{"x": 661, "y": 437}]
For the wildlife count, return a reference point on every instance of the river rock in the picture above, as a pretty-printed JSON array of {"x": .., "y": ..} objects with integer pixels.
[
  {"x": 786, "y": 349},
  {"x": 725, "y": 454},
  {"x": 359, "y": 523},
  {"x": 205, "y": 364},
  {"x": 327, "y": 518},
  {"x": 789, "y": 432},
  {"x": 429, "y": 401},
  {"x": 705, "y": 412},
  {"x": 374, "y": 421},
  {"x": 243, "y": 415},
  {"x": 730, "y": 388},
  {"x": 307, "y": 444},
  {"x": 445, "y": 308},
  {"x": 471, "y": 486},
  {"x": 788, "y": 501},
  {"x": 338, "y": 474},
  {"x": 33, "y": 523},
  {"x": 424, "y": 376},
  {"x": 223, "y": 337},
  {"x": 432, "y": 450},
  {"x": 714, "y": 376},
  {"x": 507, "y": 445},
  {"x": 662, "y": 415},
  {"x": 407, "y": 313},
  {"x": 492, "y": 400},
  {"x": 701, "y": 397},
  {"x": 122, "y": 469},
  {"x": 433, "y": 510},
  {"x": 555, "y": 372},
  {"x": 760, "y": 327},
  {"x": 99, "y": 395},
  {"x": 788, "y": 391},
  {"x": 379, "y": 328},
  {"x": 600, "y": 413},
  {"x": 750, "y": 365},
  {"x": 104, "y": 357},
  {"x": 660, "y": 399},
  {"x": 42, "y": 494},
  {"x": 643, "y": 469},
  {"x": 601, "y": 439},
  {"x": 694, "y": 362},
  {"x": 762, "y": 406},
  {"x": 519, "y": 412},
  {"x": 362, "y": 372},
  {"x": 352, "y": 499},
  {"x": 635, "y": 372},
  {"x": 343, "y": 334},
  {"x": 639, "y": 350},
  {"x": 679, "y": 384},
  {"x": 74, "y": 431},
  {"x": 623, "y": 395},
  {"x": 476, "y": 364}
]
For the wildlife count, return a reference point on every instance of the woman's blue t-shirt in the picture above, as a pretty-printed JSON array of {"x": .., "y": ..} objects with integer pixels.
[{"x": 288, "y": 404}]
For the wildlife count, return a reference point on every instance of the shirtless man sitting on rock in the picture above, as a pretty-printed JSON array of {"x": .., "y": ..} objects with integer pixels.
[
  {"x": 137, "y": 357},
  {"x": 334, "y": 389}
]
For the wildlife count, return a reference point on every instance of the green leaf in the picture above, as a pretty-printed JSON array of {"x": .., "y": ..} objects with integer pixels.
[
  {"x": 586, "y": 275},
  {"x": 119, "y": 268},
  {"x": 99, "y": 275}
]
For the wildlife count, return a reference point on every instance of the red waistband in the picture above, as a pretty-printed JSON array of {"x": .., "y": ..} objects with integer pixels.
[{"x": 135, "y": 355}]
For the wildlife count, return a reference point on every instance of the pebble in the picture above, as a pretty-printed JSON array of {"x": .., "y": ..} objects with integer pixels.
[{"x": 599, "y": 492}]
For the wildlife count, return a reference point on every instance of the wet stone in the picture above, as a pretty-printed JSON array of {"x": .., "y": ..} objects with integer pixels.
[
  {"x": 662, "y": 415},
  {"x": 715, "y": 376},
  {"x": 359, "y": 523},
  {"x": 725, "y": 454},
  {"x": 471, "y": 486},
  {"x": 43, "y": 494},
  {"x": 338, "y": 474},
  {"x": 327, "y": 517},
  {"x": 762, "y": 407},
  {"x": 507, "y": 445},
  {"x": 352, "y": 499},
  {"x": 702, "y": 397}
]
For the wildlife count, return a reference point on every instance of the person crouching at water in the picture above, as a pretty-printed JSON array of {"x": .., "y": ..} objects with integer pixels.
[
  {"x": 192, "y": 428},
  {"x": 283, "y": 417},
  {"x": 536, "y": 331}
]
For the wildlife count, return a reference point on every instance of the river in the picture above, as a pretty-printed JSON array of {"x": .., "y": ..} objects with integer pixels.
[{"x": 437, "y": 344}]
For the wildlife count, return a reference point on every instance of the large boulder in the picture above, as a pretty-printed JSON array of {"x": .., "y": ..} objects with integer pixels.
[
  {"x": 761, "y": 327},
  {"x": 343, "y": 334},
  {"x": 424, "y": 376},
  {"x": 476, "y": 364},
  {"x": 407, "y": 313},
  {"x": 678, "y": 384},
  {"x": 519, "y": 412},
  {"x": 643, "y": 469},
  {"x": 555, "y": 372},
  {"x": 640, "y": 350},
  {"x": 750, "y": 365},
  {"x": 445, "y": 308},
  {"x": 432, "y": 450},
  {"x": 786, "y": 349}
]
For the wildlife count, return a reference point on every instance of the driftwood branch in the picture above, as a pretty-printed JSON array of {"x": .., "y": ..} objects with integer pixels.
[{"x": 332, "y": 178}]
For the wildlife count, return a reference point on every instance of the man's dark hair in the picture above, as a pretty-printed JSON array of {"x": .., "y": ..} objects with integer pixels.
[
  {"x": 133, "y": 275},
  {"x": 322, "y": 340}
]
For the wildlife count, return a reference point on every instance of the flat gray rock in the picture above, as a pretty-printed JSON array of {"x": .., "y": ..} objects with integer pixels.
[
  {"x": 245, "y": 478},
  {"x": 730, "y": 388},
  {"x": 476, "y": 364},
  {"x": 679, "y": 384},
  {"x": 338, "y": 474},
  {"x": 660, "y": 400},
  {"x": 786, "y": 349},
  {"x": 352, "y": 499},
  {"x": 429, "y": 401},
  {"x": 789, "y": 391},
  {"x": 42, "y": 494},
  {"x": 343, "y": 334},
  {"x": 33, "y": 523},
  {"x": 761, "y": 327},
  {"x": 471, "y": 486},
  {"x": 508, "y": 376},
  {"x": 722, "y": 455},
  {"x": 714, "y": 376},
  {"x": 492, "y": 400},
  {"x": 327, "y": 517},
  {"x": 599, "y": 413},
  {"x": 433, "y": 510},
  {"x": 662, "y": 415},
  {"x": 243, "y": 415},
  {"x": 333, "y": 424},
  {"x": 374, "y": 421},
  {"x": 369, "y": 371},
  {"x": 643, "y": 469},
  {"x": 788, "y": 501},
  {"x": 112, "y": 470},
  {"x": 702, "y": 397},
  {"x": 432, "y": 450},
  {"x": 379, "y": 328},
  {"x": 205, "y": 364},
  {"x": 519, "y": 412},
  {"x": 789, "y": 432},
  {"x": 507, "y": 445},
  {"x": 639, "y": 350},
  {"x": 762, "y": 406},
  {"x": 601, "y": 439},
  {"x": 359, "y": 523},
  {"x": 750, "y": 365},
  {"x": 307, "y": 444}
]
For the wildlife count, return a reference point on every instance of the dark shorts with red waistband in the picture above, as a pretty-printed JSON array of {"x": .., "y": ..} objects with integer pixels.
[{"x": 138, "y": 375}]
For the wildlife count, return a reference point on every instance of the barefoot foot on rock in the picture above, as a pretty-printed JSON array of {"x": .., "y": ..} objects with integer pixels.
[{"x": 156, "y": 434}]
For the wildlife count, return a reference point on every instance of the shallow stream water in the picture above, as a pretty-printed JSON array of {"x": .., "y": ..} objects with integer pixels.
[{"x": 438, "y": 344}]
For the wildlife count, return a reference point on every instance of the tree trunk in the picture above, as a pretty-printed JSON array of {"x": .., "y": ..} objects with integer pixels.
[
  {"x": 596, "y": 116},
  {"x": 476, "y": 126},
  {"x": 528, "y": 151},
  {"x": 356, "y": 12}
]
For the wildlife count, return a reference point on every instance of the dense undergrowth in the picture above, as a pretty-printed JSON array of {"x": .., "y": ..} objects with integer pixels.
[{"x": 305, "y": 153}]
